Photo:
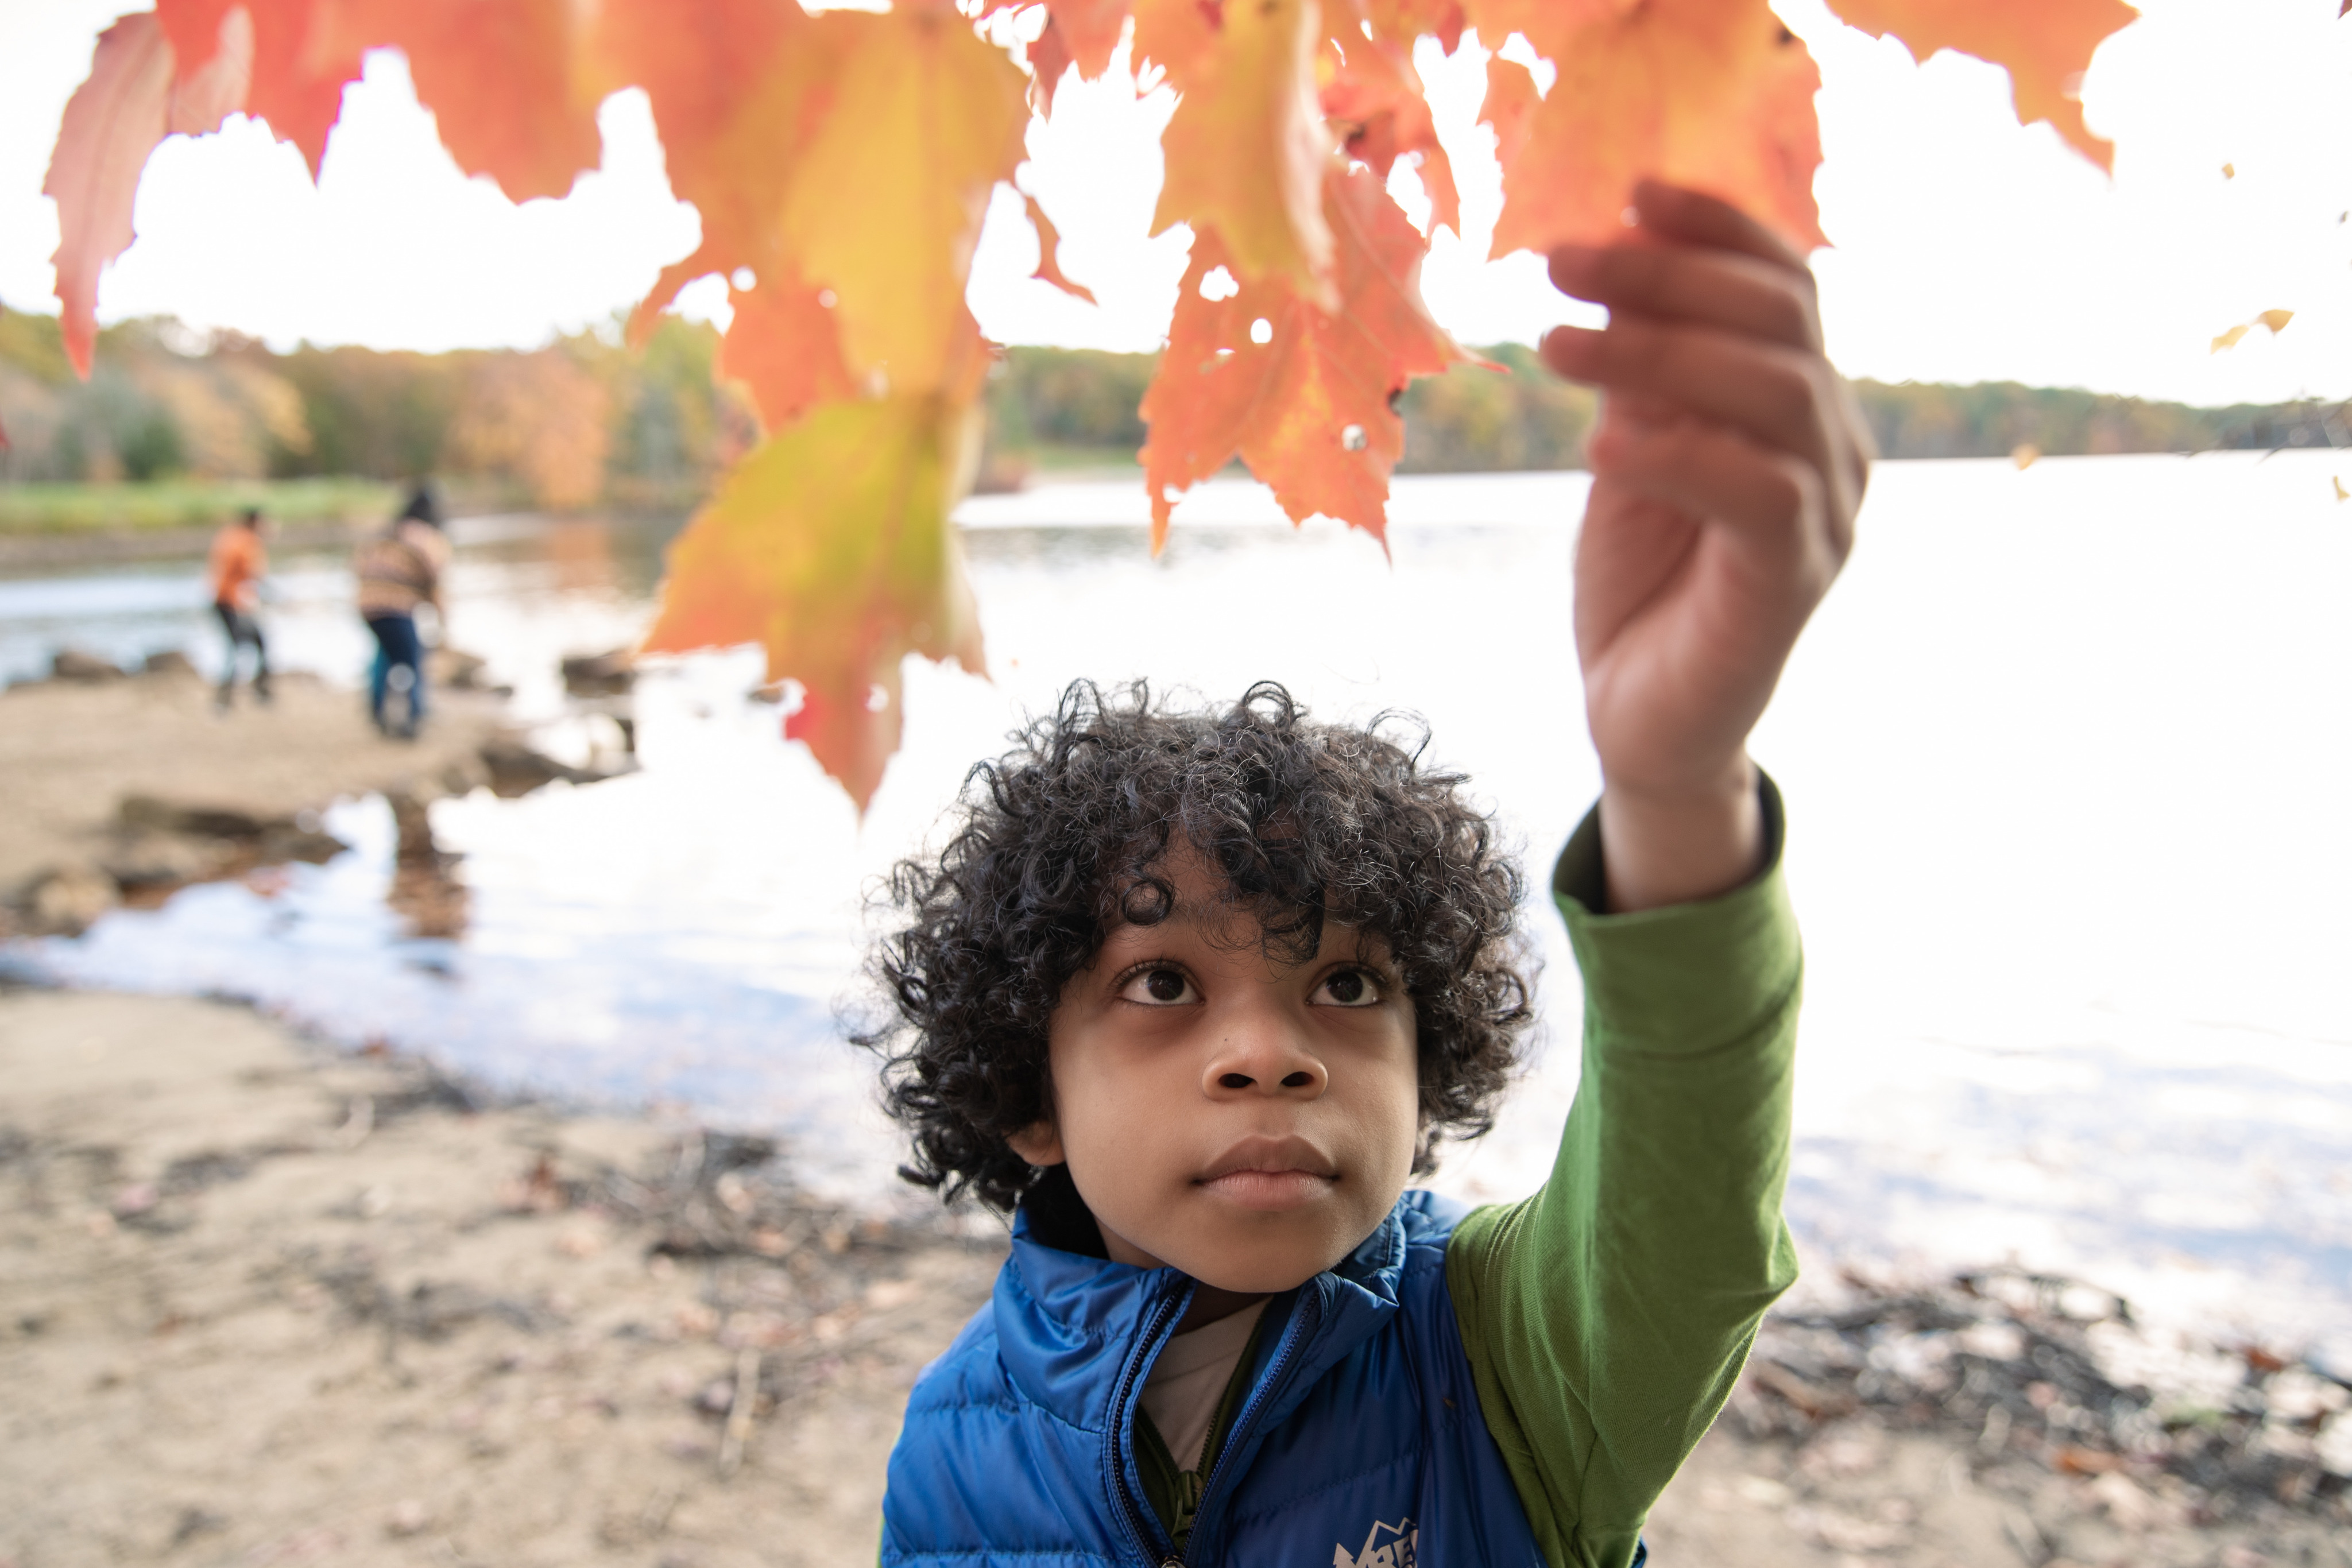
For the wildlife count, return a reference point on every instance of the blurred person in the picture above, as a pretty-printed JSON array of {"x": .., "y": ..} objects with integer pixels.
[
  {"x": 398, "y": 569},
  {"x": 238, "y": 565}
]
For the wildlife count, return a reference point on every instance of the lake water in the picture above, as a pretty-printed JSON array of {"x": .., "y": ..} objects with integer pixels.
[{"x": 2068, "y": 757}]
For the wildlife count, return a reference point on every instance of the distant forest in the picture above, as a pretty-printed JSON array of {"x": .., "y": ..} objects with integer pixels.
[
  {"x": 588, "y": 422},
  {"x": 1473, "y": 419}
]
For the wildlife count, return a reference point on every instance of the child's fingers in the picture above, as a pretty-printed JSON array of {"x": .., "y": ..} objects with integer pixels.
[
  {"x": 1779, "y": 396},
  {"x": 1712, "y": 288},
  {"x": 1691, "y": 218},
  {"x": 1770, "y": 499}
]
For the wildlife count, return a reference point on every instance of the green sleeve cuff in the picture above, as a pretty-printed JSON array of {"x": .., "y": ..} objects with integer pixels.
[{"x": 1681, "y": 978}]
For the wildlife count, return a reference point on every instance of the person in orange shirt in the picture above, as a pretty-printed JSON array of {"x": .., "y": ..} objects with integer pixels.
[{"x": 238, "y": 565}]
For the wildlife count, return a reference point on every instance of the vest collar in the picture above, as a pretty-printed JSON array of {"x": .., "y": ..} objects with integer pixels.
[{"x": 1067, "y": 1323}]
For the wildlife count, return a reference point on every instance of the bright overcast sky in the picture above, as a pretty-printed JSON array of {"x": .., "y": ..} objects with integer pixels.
[{"x": 1966, "y": 248}]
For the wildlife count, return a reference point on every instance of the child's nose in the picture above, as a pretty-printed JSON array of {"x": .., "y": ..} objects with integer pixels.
[{"x": 1263, "y": 1057}]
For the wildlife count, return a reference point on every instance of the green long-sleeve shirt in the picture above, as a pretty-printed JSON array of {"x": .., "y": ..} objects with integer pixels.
[{"x": 1607, "y": 1316}]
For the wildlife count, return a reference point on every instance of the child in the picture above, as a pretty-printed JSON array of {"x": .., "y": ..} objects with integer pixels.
[
  {"x": 238, "y": 564},
  {"x": 1194, "y": 995}
]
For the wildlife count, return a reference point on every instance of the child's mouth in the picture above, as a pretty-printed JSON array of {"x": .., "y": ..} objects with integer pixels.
[{"x": 1272, "y": 1173}]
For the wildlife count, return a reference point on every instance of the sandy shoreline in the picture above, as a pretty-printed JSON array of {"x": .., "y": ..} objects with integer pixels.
[{"x": 264, "y": 1303}]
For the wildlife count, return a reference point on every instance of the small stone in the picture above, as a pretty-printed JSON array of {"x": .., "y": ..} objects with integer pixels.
[
  {"x": 408, "y": 1517},
  {"x": 65, "y": 901},
  {"x": 87, "y": 668},
  {"x": 170, "y": 663}
]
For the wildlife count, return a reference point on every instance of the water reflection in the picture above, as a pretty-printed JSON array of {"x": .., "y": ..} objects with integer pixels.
[{"x": 427, "y": 891}]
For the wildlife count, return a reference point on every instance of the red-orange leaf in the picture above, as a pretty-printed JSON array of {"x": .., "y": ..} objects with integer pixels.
[
  {"x": 1246, "y": 145},
  {"x": 1714, "y": 94},
  {"x": 1406, "y": 20},
  {"x": 1081, "y": 33},
  {"x": 2046, "y": 46},
  {"x": 1372, "y": 97},
  {"x": 298, "y": 75},
  {"x": 112, "y": 123},
  {"x": 1305, "y": 396},
  {"x": 1049, "y": 261},
  {"x": 729, "y": 81},
  {"x": 830, "y": 546},
  {"x": 784, "y": 345},
  {"x": 502, "y": 81}
]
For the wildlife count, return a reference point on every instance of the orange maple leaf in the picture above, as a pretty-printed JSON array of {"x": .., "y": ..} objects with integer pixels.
[
  {"x": 1410, "y": 19},
  {"x": 1305, "y": 396},
  {"x": 831, "y": 548},
  {"x": 730, "y": 82},
  {"x": 297, "y": 81},
  {"x": 784, "y": 345},
  {"x": 133, "y": 98},
  {"x": 1246, "y": 145},
  {"x": 1081, "y": 33},
  {"x": 502, "y": 81},
  {"x": 1714, "y": 94},
  {"x": 2046, "y": 46},
  {"x": 1049, "y": 261},
  {"x": 1372, "y": 97}
]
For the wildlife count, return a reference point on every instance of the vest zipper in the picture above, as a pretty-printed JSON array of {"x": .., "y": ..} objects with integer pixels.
[
  {"x": 1301, "y": 1326},
  {"x": 1140, "y": 1519}
]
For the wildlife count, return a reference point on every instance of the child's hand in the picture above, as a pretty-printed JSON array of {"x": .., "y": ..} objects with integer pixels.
[{"x": 1727, "y": 466}]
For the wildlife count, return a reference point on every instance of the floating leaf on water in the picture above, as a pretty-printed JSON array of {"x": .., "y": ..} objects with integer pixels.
[{"x": 2024, "y": 453}]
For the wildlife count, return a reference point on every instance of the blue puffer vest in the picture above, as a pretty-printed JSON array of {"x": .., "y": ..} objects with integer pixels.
[{"x": 1360, "y": 1445}]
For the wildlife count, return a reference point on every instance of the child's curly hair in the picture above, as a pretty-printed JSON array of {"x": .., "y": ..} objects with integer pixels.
[{"x": 1068, "y": 833}]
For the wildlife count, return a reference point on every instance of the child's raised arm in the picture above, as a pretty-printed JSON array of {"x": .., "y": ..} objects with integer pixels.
[
  {"x": 1727, "y": 466},
  {"x": 1607, "y": 1317}
]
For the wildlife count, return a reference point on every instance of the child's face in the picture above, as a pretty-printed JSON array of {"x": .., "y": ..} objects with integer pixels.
[{"x": 1247, "y": 1119}]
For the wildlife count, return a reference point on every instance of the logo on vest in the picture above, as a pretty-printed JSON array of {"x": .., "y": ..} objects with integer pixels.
[{"x": 1386, "y": 1546}]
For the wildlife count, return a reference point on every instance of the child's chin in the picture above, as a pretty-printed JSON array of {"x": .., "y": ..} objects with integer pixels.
[{"x": 1261, "y": 1253}]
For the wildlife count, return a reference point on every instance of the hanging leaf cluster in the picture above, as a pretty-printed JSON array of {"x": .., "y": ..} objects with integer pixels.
[{"x": 842, "y": 164}]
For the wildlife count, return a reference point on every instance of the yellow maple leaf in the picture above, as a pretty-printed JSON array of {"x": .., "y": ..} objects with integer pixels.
[
  {"x": 2276, "y": 320},
  {"x": 830, "y": 546},
  {"x": 922, "y": 118},
  {"x": 1246, "y": 146}
]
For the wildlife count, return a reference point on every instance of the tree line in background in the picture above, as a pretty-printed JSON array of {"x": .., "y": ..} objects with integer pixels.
[
  {"x": 586, "y": 421},
  {"x": 581, "y": 422}
]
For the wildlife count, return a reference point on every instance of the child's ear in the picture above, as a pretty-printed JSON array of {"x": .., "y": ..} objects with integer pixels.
[{"x": 1039, "y": 1142}]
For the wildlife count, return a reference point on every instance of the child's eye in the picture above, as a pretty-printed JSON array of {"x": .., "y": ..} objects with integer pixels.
[
  {"x": 1160, "y": 987},
  {"x": 1348, "y": 988}
]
